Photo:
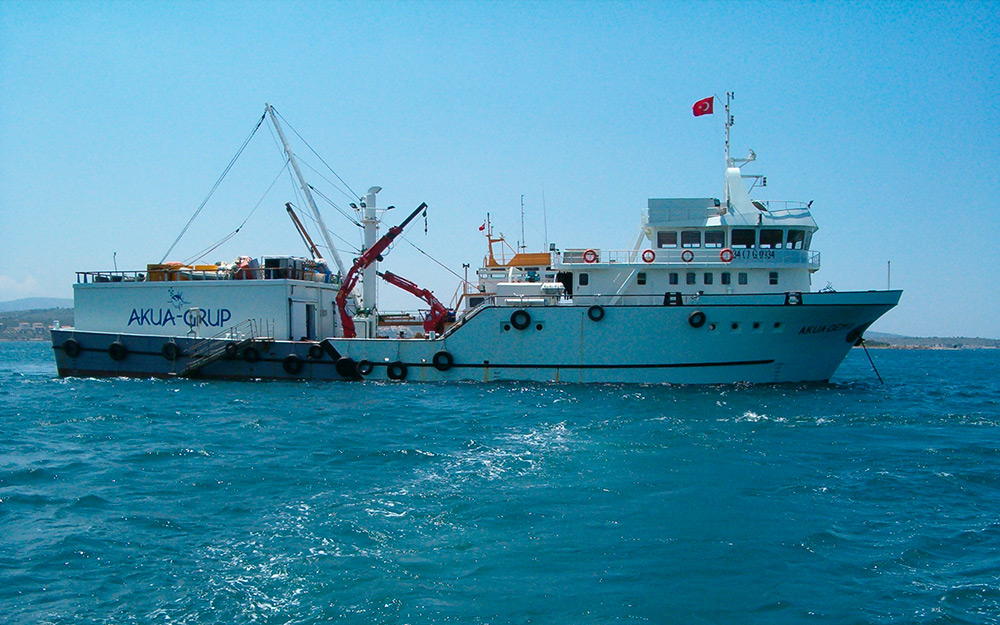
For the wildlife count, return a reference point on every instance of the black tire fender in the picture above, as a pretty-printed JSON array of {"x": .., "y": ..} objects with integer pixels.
[
  {"x": 292, "y": 364},
  {"x": 171, "y": 351},
  {"x": 595, "y": 313},
  {"x": 117, "y": 351},
  {"x": 443, "y": 360},
  {"x": 696, "y": 319},
  {"x": 520, "y": 319},
  {"x": 396, "y": 371},
  {"x": 71, "y": 347}
]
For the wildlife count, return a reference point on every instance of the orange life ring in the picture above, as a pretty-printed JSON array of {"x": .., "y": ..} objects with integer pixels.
[
  {"x": 726, "y": 255},
  {"x": 648, "y": 256},
  {"x": 590, "y": 256},
  {"x": 687, "y": 256}
]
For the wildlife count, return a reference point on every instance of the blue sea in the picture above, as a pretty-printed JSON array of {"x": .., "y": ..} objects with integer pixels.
[{"x": 151, "y": 501}]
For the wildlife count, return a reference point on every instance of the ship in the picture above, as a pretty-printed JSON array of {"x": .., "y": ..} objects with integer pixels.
[{"x": 713, "y": 291}]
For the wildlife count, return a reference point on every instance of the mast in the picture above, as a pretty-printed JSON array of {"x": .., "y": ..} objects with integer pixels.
[
  {"x": 729, "y": 124},
  {"x": 306, "y": 191}
]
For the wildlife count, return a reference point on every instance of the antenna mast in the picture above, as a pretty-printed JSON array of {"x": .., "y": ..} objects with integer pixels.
[
  {"x": 729, "y": 124},
  {"x": 522, "y": 247}
]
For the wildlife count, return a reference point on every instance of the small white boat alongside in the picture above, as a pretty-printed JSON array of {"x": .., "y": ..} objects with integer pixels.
[{"x": 715, "y": 290}]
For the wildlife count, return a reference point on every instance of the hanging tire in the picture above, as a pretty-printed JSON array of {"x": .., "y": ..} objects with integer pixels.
[
  {"x": 696, "y": 319},
  {"x": 396, "y": 371},
  {"x": 292, "y": 364},
  {"x": 171, "y": 351},
  {"x": 315, "y": 351},
  {"x": 443, "y": 360},
  {"x": 520, "y": 319},
  {"x": 117, "y": 351},
  {"x": 345, "y": 367},
  {"x": 251, "y": 355},
  {"x": 230, "y": 350},
  {"x": 364, "y": 367},
  {"x": 595, "y": 313},
  {"x": 71, "y": 347}
]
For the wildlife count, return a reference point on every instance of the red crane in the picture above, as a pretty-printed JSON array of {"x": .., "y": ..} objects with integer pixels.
[
  {"x": 366, "y": 259},
  {"x": 434, "y": 321}
]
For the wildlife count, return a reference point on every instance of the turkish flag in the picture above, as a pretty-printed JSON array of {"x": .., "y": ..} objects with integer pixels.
[{"x": 703, "y": 107}]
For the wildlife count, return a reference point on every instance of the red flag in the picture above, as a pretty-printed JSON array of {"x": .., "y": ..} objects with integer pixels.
[
  {"x": 703, "y": 107},
  {"x": 482, "y": 227}
]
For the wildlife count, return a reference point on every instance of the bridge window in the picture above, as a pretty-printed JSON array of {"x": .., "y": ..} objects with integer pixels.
[
  {"x": 743, "y": 238},
  {"x": 691, "y": 278},
  {"x": 708, "y": 277},
  {"x": 674, "y": 278},
  {"x": 640, "y": 278},
  {"x": 770, "y": 239},
  {"x": 796, "y": 239},
  {"x": 666, "y": 239},
  {"x": 690, "y": 238},
  {"x": 715, "y": 238},
  {"x": 726, "y": 277}
]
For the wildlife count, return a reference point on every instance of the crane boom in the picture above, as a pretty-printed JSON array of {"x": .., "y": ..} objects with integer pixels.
[
  {"x": 367, "y": 258},
  {"x": 434, "y": 321}
]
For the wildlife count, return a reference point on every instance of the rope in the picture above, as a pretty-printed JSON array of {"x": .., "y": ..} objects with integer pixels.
[
  {"x": 216, "y": 186},
  {"x": 865, "y": 347},
  {"x": 439, "y": 263}
]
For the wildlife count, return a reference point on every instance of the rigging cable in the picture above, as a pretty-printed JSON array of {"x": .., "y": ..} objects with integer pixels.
[
  {"x": 214, "y": 246},
  {"x": 443, "y": 266},
  {"x": 355, "y": 195},
  {"x": 216, "y": 186}
]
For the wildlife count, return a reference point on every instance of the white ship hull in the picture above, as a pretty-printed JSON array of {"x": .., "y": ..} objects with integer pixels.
[{"x": 756, "y": 339}]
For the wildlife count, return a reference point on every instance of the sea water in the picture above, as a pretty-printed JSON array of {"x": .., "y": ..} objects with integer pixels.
[{"x": 151, "y": 501}]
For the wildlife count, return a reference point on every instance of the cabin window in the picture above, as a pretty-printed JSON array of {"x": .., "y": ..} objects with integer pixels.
[
  {"x": 743, "y": 238},
  {"x": 691, "y": 238},
  {"x": 796, "y": 238},
  {"x": 640, "y": 278},
  {"x": 809, "y": 237},
  {"x": 770, "y": 239},
  {"x": 715, "y": 238},
  {"x": 772, "y": 278},
  {"x": 666, "y": 239},
  {"x": 674, "y": 278},
  {"x": 691, "y": 278},
  {"x": 742, "y": 277},
  {"x": 583, "y": 279},
  {"x": 725, "y": 277},
  {"x": 708, "y": 277}
]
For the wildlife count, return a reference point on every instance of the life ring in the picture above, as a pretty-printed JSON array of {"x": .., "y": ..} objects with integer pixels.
[
  {"x": 396, "y": 371},
  {"x": 292, "y": 364},
  {"x": 315, "y": 351},
  {"x": 117, "y": 351},
  {"x": 595, "y": 313},
  {"x": 726, "y": 255},
  {"x": 443, "y": 360},
  {"x": 71, "y": 347},
  {"x": 251, "y": 355},
  {"x": 520, "y": 319},
  {"x": 346, "y": 367},
  {"x": 648, "y": 256},
  {"x": 171, "y": 351},
  {"x": 590, "y": 257},
  {"x": 687, "y": 256},
  {"x": 364, "y": 367},
  {"x": 696, "y": 319}
]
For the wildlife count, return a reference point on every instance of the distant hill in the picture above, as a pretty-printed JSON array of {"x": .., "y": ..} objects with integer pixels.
[
  {"x": 35, "y": 303},
  {"x": 880, "y": 339}
]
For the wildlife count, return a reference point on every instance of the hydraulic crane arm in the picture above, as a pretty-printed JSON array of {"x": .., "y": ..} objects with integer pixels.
[
  {"x": 434, "y": 321},
  {"x": 369, "y": 256}
]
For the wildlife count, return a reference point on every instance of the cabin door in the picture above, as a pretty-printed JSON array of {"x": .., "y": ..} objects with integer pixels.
[
  {"x": 301, "y": 321},
  {"x": 566, "y": 278}
]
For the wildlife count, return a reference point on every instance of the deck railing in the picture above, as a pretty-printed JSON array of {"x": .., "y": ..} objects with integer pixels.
[{"x": 741, "y": 257}]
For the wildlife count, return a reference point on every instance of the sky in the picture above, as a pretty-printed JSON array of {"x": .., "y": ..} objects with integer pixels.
[{"x": 119, "y": 117}]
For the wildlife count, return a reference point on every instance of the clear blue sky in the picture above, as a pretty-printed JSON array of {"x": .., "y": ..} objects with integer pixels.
[{"x": 119, "y": 116}]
